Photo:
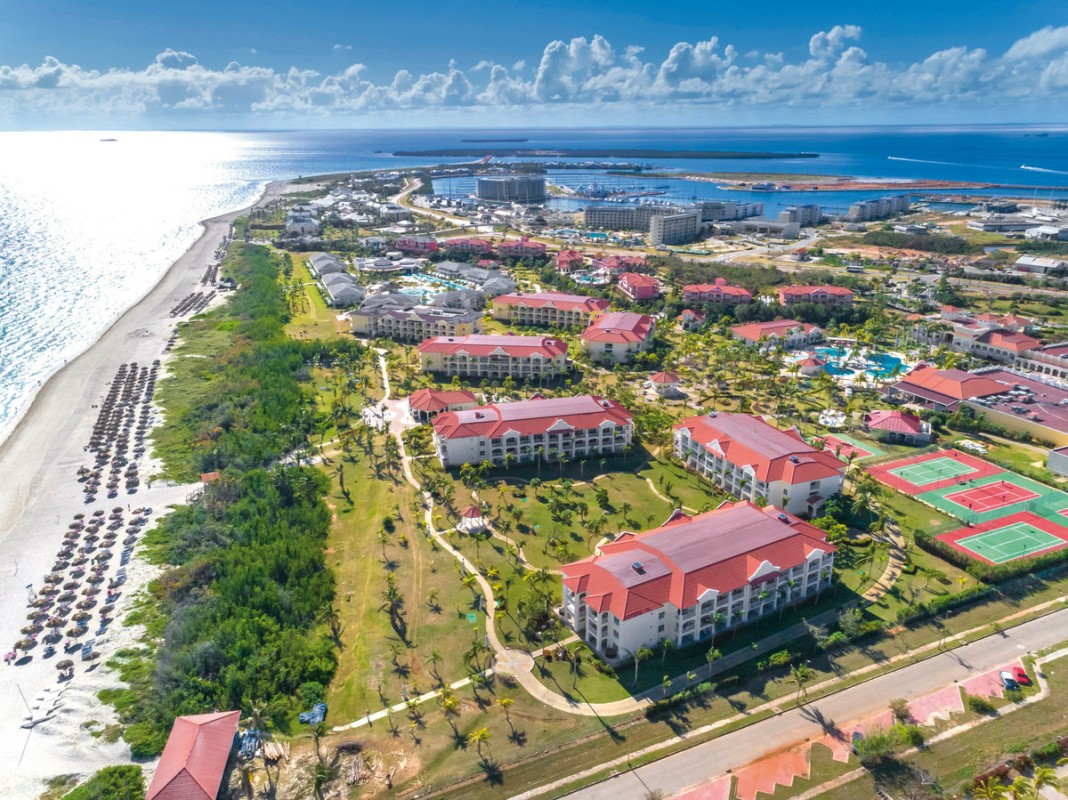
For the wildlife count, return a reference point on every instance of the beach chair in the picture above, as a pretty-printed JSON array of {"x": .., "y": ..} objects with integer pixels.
[{"x": 87, "y": 650}]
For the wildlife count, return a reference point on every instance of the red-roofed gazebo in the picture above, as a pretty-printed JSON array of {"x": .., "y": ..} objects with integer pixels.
[
  {"x": 472, "y": 520},
  {"x": 194, "y": 758}
]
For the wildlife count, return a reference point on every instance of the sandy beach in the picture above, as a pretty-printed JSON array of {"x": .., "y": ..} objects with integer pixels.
[{"x": 39, "y": 496}]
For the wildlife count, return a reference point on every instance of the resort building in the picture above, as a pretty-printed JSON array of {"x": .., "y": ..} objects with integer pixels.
[
  {"x": 636, "y": 286},
  {"x": 615, "y": 266},
  {"x": 942, "y": 389},
  {"x": 425, "y": 404},
  {"x": 899, "y": 427},
  {"x": 667, "y": 229},
  {"x": 495, "y": 356},
  {"x": 624, "y": 217},
  {"x": 809, "y": 214},
  {"x": 548, "y": 308},
  {"x": 837, "y": 296},
  {"x": 341, "y": 290},
  {"x": 616, "y": 337},
  {"x": 720, "y": 210},
  {"x": 690, "y": 320},
  {"x": 467, "y": 246},
  {"x": 717, "y": 292},
  {"x": 883, "y": 207},
  {"x": 511, "y": 188},
  {"x": 566, "y": 427},
  {"x": 322, "y": 264},
  {"x": 567, "y": 261},
  {"x": 414, "y": 324},
  {"x": 693, "y": 578},
  {"x": 787, "y": 333},
  {"x": 521, "y": 248},
  {"x": 194, "y": 759},
  {"x": 778, "y": 229},
  {"x": 417, "y": 245},
  {"x": 752, "y": 460}
]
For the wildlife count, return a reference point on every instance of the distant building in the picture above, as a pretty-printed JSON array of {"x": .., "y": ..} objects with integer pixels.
[
  {"x": 764, "y": 227},
  {"x": 837, "y": 296},
  {"x": 341, "y": 290},
  {"x": 624, "y": 217},
  {"x": 548, "y": 308},
  {"x": 753, "y": 460},
  {"x": 495, "y": 356},
  {"x": 717, "y": 292},
  {"x": 720, "y": 210},
  {"x": 467, "y": 246},
  {"x": 880, "y": 208},
  {"x": 417, "y": 245},
  {"x": 636, "y": 286},
  {"x": 666, "y": 229},
  {"x": 584, "y": 426},
  {"x": 693, "y": 578},
  {"x": 786, "y": 332},
  {"x": 617, "y": 265},
  {"x": 617, "y": 336},
  {"x": 690, "y": 320},
  {"x": 195, "y": 757},
  {"x": 521, "y": 248},
  {"x": 803, "y": 215},
  {"x": 569, "y": 260},
  {"x": 511, "y": 188},
  {"x": 942, "y": 389},
  {"x": 425, "y": 404},
  {"x": 1047, "y": 233},
  {"x": 1040, "y": 264},
  {"x": 301, "y": 226},
  {"x": 322, "y": 264}
]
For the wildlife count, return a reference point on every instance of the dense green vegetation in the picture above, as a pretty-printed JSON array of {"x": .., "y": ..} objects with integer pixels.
[
  {"x": 948, "y": 245},
  {"x": 111, "y": 783},
  {"x": 251, "y": 405},
  {"x": 241, "y": 606}
]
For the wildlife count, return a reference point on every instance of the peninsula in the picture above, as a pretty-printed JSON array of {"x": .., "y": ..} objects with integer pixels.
[{"x": 509, "y": 152}]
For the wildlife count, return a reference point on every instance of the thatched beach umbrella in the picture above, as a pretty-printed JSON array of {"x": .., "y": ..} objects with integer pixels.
[
  {"x": 81, "y": 616},
  {"x": 25, "y": 644},
  {"x": 55, "y": 622},
  {"x": 69, "y": 585},
  {"x": 85, "y": 605},
  {"x": 30, "y": 629},
  {"x": 79, "y": 561},
  {"x": 36, "y": 615},
  {"x": 89, "y": 591},
  {"x": 42, "y": 602},
  {"x": 98, "y": 513},
  {"x": 66, "y": 597},
  {"x": 53, "y": 578},
  {"x": 97, "y": 578},
  {"x": 76, "y": 632},
  {"x": 64, "y": 665}
]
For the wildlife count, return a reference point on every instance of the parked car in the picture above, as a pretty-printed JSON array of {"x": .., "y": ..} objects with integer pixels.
[
  {"x": 1007, "y": 680},
  {"x": 1020, "y": 675}
]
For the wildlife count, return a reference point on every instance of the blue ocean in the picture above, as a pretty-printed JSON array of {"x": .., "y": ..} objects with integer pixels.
[{"x": 89, "y": 221}]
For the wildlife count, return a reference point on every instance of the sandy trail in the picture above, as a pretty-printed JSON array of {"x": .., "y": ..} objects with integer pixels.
[{"x": 39, "y": 496}]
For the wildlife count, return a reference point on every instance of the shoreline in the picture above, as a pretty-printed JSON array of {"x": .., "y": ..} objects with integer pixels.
[{"x": 39, "y": 496}]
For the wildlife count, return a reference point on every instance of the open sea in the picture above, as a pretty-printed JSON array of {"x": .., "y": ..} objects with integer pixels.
[{"x": 88, "y": 226}]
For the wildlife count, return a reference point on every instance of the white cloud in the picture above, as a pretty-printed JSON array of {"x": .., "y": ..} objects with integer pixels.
[
  {"x": 591, "y": 73},
  {"x": 1043, "y": 42}
]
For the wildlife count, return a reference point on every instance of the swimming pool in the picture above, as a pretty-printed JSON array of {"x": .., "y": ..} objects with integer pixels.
[{"x": 847, "y": 362}]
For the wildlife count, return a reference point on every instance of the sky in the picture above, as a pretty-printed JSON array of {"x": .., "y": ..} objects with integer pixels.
[{"x": 235, "y": 64}]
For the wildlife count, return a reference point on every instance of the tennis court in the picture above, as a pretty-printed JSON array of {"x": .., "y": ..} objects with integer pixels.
[
  {"x": 933, "y": 471},
  {"x": 844, "y": 447},
  {"x": 1017, "y": 540},
  {"x": 999, "y": 494}
]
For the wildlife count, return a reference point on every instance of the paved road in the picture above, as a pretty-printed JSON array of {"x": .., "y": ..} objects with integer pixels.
[{"x": 735, "y": 750}]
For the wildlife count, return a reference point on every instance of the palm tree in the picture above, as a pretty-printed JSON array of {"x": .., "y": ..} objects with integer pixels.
[
  {"x": 479, "y": 737},
  {"x": 505, "y": 703},
  {"x": 450, "y": 707},
  {"x": 434, "y": 659},
  {"x": 1045, "y": 777},
  {"x": 801, "y": 674},
  {"x": 643, "y": 653},
  {"x": 666, "y": 646},
  {"x": 432, "y": 600},
  {"x": 470, "y": 581},
  {"x": 990, "y": 789},
  {"x": 331, "y": 617}
]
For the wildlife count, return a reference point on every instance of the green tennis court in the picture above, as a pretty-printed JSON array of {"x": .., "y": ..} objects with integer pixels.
[
  {"x": 937, "y": 469},
  {"x": 1009, "y": 543}
]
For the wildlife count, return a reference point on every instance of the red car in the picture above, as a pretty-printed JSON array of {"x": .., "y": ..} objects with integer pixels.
[{"x": 1020, "y": 674}]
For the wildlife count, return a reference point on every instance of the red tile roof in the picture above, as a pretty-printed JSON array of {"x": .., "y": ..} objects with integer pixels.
[
  {"x": 567, "y": 302},
  {"x": 716, "y": 288},
  {"x": 638, "y": 279},
  {"x": 809, "y": 291},
  {"x": 569, "y": 257},
  {"x": 495, "y": 344},
  {"x": 582, "y": 412},
  {"x": 762, "y": 330},
  {"x": 774, "y": 455},
  {"x": 720, "y": 549},
  {"x": 893, "y": 421},
  {"x": 619, "y": 326},
  {"x": 522, "y": 244},
  {"x": 434, "y": 400},
  {"x": 194, "y": 758},
  {"x": 954, "y": 383},
  {"x": 1007, "y": 340},
  {"x": 664, "y": 377}
]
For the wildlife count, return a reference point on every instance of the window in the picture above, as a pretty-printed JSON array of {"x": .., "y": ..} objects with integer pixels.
[{"x": 660, "y": 629}]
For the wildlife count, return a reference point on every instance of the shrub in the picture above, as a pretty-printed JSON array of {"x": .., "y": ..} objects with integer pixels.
[
  {"x": 124, "y": 782},
  {"x": 900, "y": 708},
  {"x": 780, "y": 659},
  {"x": 1014, "y": 695},
  {"x": 980, "y": 705},
  {"x": 312, "y": 692}
]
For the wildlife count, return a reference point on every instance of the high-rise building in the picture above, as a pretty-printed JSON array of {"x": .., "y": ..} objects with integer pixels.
[{"x": 511, "y": 188}]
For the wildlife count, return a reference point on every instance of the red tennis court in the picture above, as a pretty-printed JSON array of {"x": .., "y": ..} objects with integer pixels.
[{"x": 993, "y": 495}]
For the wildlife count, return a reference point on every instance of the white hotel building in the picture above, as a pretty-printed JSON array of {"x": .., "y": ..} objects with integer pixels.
[
  {"x": 495, "y": 356},
  {"x": 752, "y": 460},
  {"x": 693, "y": 578},
  {"x": 565, "y": 427}
]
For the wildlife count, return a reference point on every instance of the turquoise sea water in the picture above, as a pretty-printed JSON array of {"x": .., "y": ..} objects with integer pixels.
[{"x": 88, "y": 226}]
